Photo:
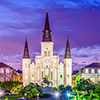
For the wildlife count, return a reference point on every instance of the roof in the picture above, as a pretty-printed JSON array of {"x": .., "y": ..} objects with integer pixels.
[
  {"x": 26, "y": 51},
  {"x": 67, "y": 51},
  {"x": 19, "y": 71},
  {"x": 4, "y": 65},
  {"x": 93, "y": 65},
  {"x": 75, "y": 72}
]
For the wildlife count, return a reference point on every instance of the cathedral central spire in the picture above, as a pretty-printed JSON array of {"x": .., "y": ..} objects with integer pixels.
[
  {"x": 47, "y": 31},
  {"x": 67, "y": 52},
  {"x": 26, "y": 51}
]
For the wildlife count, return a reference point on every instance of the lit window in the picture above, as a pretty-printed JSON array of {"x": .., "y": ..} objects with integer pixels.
[
  {"x": 25, "y": 76},
  {"x": 32, "y": 76},
  {"x": 2, "y": 71},
  {"x": 98, "y": 80},
  {"x": 92, "y": 71},
  {"x": 60, "y": 77},
  {"x": 86, "y": 71},
  {"x": 47, "y": 33},
  {"x": 98, "y": 70},
  {"x": 7, "y": 79},
  {"x": 7, "y": 70},
  {"x": 67, "y": 76}
]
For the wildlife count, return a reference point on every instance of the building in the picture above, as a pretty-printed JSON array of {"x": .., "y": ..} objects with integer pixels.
[
  {"x": 7, "y": 73},
  {"x": 47, "y": 65},
  {"x": 91, "y": 72}
]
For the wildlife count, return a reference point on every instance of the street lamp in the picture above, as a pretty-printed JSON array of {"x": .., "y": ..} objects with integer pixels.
[
  {"x": 25, "y": 95},
  {"x": 57, "y": 95},
  {"x": 37, "y": 95},
  {"x": 68, "y": 94},
  {"x": 1, "y": 93}
]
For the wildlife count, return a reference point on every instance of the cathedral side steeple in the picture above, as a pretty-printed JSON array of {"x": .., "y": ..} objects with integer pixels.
[
  {"x": 67, "y": 51},
  {"x": 26, "y": 51},
  {"x": 46, "y": 31}
]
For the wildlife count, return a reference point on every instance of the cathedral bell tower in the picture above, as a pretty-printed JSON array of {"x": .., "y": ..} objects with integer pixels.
[
  {"x": 67, "y": 66},
  {"x": 26, "y": 65},
  {"x": 47, "y": 44}
]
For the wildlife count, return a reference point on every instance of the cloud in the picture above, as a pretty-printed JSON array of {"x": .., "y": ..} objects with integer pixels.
[{"x": 82, "y": 56}]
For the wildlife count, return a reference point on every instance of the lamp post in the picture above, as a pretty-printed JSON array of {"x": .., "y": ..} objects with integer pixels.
[
  {"x": 25, "y": 95},
  {"x": 37, "y": 95},
  {"x": 57, "y": 95},
  {"x": 68, "y": 94}
]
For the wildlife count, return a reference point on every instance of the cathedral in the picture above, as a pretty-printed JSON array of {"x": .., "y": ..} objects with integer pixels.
[{"x": 47, "y": 64}]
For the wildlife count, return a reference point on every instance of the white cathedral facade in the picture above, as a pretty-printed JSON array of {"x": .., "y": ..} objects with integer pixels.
[{"x": 47, "y": 64}]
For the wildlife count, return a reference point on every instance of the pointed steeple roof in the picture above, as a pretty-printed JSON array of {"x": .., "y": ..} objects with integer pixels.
[
  {"x": 47, "y": 31},
  {"x": 26, "y": 51},
  {"x": 67, "y": 52}
]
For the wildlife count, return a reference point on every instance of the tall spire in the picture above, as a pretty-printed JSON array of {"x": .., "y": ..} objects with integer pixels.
[
  {"x": 26, "y": 51},
  {"x": 67, "y": 52},
  {"x": 47, "y": 31}
]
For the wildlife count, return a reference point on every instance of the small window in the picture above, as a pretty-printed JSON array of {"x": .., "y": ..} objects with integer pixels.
[
  {"x": 68, "y": 76},
  {"x": 60, "y": 77},
  {"x": 32, "y": 76},
  {"x": 7, "y": 70},
  {"x": 2, "y": 71},
  {"x": 92, "y": 71},
  {"x": 86, "y": 71},
  {"x": 25, "y": 76}
]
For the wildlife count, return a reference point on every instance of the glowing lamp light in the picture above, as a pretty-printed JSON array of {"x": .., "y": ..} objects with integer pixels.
[
  {"x": 68, "y": 95},
  {"x": 57, "y": 94}
]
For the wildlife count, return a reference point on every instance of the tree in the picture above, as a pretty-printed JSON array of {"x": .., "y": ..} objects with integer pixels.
[
  {"x": 85, "y": 85},
  {"x": 97, "y": 89},
  {"x": 30, "y": 91},
  {"x": 79, "y": 96},
  {"x": 61, "y": 88},
  {"x": 12, "y": 86}
]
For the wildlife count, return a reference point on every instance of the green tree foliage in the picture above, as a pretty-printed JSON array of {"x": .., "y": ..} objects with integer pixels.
[
  {"x": 97, "y": 89},
  {"x": 12, "y": 86},
  {"x": 85, "y": 85},
  {"x": 61, "y": 88},
  {"x": 30, "y": 91}
]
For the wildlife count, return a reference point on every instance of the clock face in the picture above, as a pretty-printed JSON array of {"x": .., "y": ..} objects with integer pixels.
[{"x": 47, "y": 61}]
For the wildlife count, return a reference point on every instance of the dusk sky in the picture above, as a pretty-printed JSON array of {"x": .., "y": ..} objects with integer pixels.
[{"x": 80, "y": 19}]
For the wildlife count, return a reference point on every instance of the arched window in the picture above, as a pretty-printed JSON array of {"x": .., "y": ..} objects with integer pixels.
[
  {"x": 61, "y": 77},
  {"x": 7, "y": 70},
  {"x": 32, "y": 76},
  {"x": 93, "y": 80},
  {"x": 51, "y": 75}
]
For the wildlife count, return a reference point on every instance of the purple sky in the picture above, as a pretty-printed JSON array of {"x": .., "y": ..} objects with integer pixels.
[{"x": 78, "y": 18}]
